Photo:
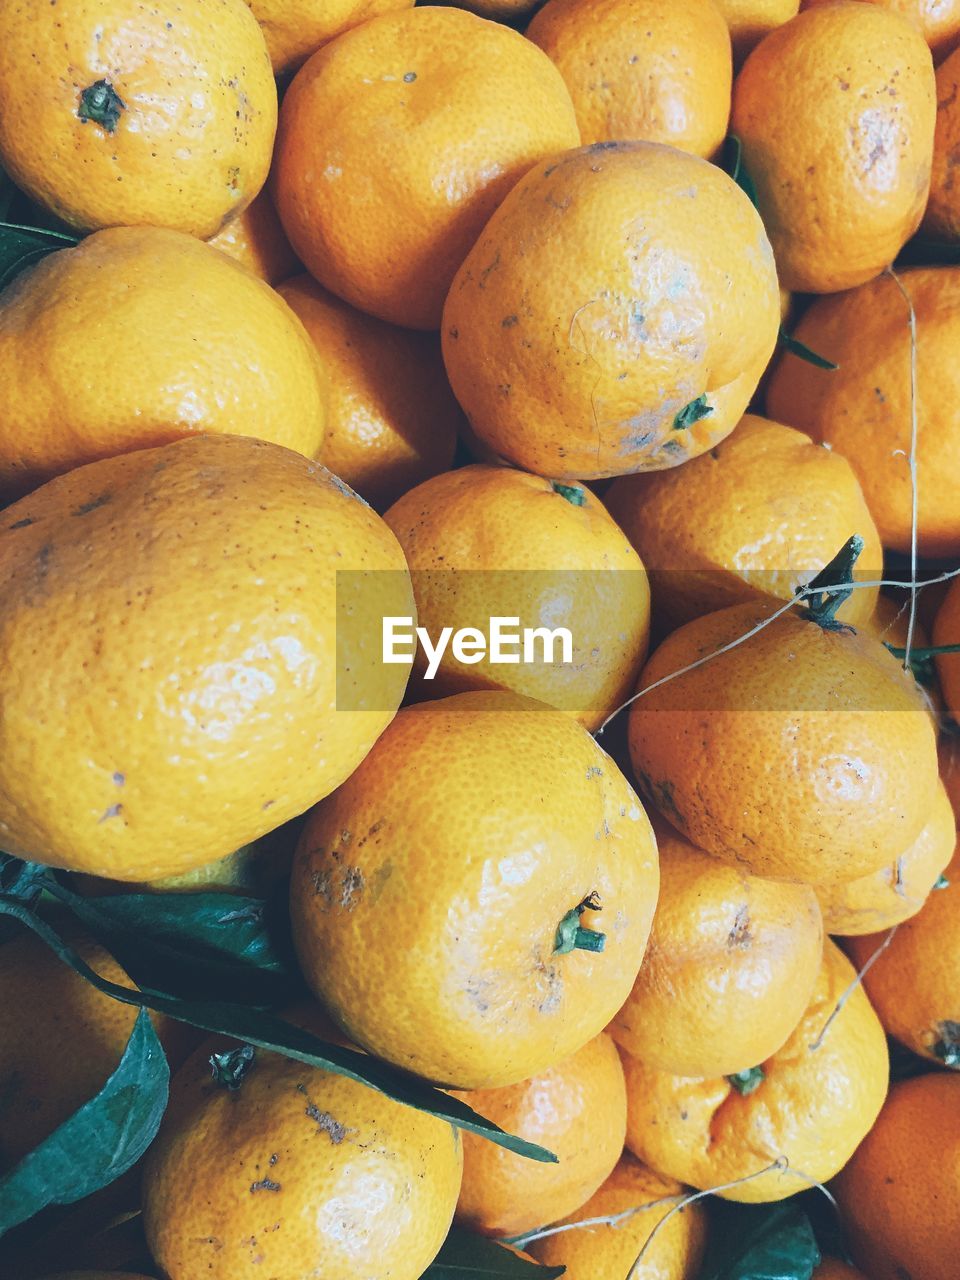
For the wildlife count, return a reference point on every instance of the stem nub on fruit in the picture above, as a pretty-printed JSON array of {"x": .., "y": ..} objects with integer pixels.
[
  {"x": 230, "y": 1068},
  {"x": 571, "y": 935},
  {"x": 101, "y": 103},
  {"x": 745, "y": 1082},
  {"x": 832, "y": 585}
]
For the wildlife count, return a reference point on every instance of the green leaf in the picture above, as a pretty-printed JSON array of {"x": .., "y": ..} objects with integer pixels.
[
  {"x": 573, "y": 493},
  {"x": 761, "y": 1242},
  {"x": 734, "y": 166},
  {"x": 692, "y": 412},
  {"x": 21, "y": 247},
  {"x": 803, "y": 352},
  {"x": 100, "y": 1141},
  {"x": 748, "y": 1081},
  {"x": 19, "y": 879},
  {"x": 468, "y": 1257}
]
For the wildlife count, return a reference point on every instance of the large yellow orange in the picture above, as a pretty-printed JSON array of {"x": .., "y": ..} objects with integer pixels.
[
  {"x": 295, "y": 30},
  {"x": 938, "y": 20},
  {"x": 942, "y": 218},
  {"x": 946, "y": 631},
  {"x": 750, "y": 20},
  {"x": 255, "y": 238}
]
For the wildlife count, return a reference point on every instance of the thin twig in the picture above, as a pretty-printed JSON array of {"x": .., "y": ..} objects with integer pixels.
[
  {"x": 608, "y": 1220},
  {"x": 852, "y": 988},
  {"x": 912, "y": 463}
]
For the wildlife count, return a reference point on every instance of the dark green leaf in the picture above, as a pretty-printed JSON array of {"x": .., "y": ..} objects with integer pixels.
[
  {"x": 572, "y": 492},
  {"x": 733, "y": 164},
  {"x": 19, "y": 879},
  {"x": 7, "y": 195},
  {"x": 100, "y": 1141},
  {"x": 691, "y": 413},
  {"x": 803, "y": 352},
  {"x": 21, "y": 247},
  {"x": 760, "y": 1242},
  {"x": 469, "y": 1257}
]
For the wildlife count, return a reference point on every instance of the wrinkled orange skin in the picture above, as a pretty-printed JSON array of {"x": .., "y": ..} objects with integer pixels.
[
  {"x": 576, "y": 1109},
  {"x": 398, "y": 140},
  {"x": 900, "y": 1194},
  {"x": 255, "y": 239},
  {"x": 835, "y": 111},
  {"x": 192, "y": 144},
  {"x": 946, "y": 630},
  {"x": 938, "y": 20},
  {"x": 942, "y": 218},
  {"x": 750, "y": 20},
  {"x": 654, "y": 70},
  {"x": 593, "y": 310},
  {"x": 294, "y": 29}
]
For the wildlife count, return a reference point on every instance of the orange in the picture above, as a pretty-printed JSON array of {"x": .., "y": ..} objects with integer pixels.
[
  {"x": 864, "y": 408},
  {"x": 946, "y": 631},
  {"x": 835, "y": 111},
  {"x": 136, "y": 337},
  {"x": 391, "y": 416},
  {"x": 576, "y": 1109},
  {"x": 750, "y": 20},
  {"x": 255, "y": 238},
  {"x": 729, "y": 968},
  {"x": 803, "y": 752},
  {"x": 938, "y": 20},
  {"x": 592, "y": 330},
  {"x": 900, "y": 1194},
  {"x": 188, "y": 701},
  {"x": 657, "y": 70},
  {"x": 398, "y": 140},
  {"x": 758, "y": 515},
  {"x": 942, "y": 218},
  {"x": 485, "y": 542},
  {"x": 132, "y": 114},
  {"x": 436, "y": 895},
  {"x": 949, "y": 752},
  {"x": 294, "y": 31},
  {"x": 809, "y": 1105},
  {"x": 296, "y": 1172},
  {"x": 834, "y": 1269}
]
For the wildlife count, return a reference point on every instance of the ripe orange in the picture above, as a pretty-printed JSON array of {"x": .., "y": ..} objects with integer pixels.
[
  {"x": 835, "y": 111},
  {"x": 576, "y": 1109},
  {"x": 656, "y": 70},
  {"x": 592, "y": 330},
  {"x": 398, "y": 140},
  {"x": 750, "y": 20},
  {"x": 293, "y": 31},
  {"x": 184, "y": 602},
  {"x": 938, "y": 20},
  {"x": 946, "y": 631},
  {"x": 255, "y": 238},
  {"x": 942, "y": 218}
]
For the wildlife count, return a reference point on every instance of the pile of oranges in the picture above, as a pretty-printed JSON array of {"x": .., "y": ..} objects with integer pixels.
[{"x": 633, "y": 317}]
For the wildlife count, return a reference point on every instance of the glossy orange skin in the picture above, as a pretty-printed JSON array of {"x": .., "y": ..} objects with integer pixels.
[
  {"x": 942, "y": 218},
  {"x": 835, "y": 112},
  {"x": 576, "y": 1109},
  {"x": 900, "y": 1194},
  {"x": 938, "y": 20},
  {"x": 593, "y": 309},
  {"x": 801, "y": 753},
  {"x": 398, "y": 140},
  {"x": 294, "y": 29},
  {"x": 255, "y": 239},
  {"x": 428, "y": 890},
  {"x": 750, "y": 20},
  {"x": 656, "y": 70},
  {"x": 185, "y": 602},
  {"x": 946, "y": 630},
  {"x": 191, "y": 147}
]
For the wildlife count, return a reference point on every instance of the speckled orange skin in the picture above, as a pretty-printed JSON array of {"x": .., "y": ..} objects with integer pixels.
[
  {"x": 139, "y": 336},
  {"x": 298, "y": 1172},
  {"x": 900, "y": 1194},
  {"x": 938, "y": 20},
  {"x": 398, "y": 140},
  {"x": 942, "y": 218},
  {"x": 427, "y": 891},
  {"x": 729, "y": 968},
  {"x": 802, "y": 753},
  {"x": 757, "y": 516},
  {"x": 593, "y": 309},
  {"x": 835, "y": 110},
  {"x": 256, "y": 240},
  {"x": 294, "y": 29},
  {"x": 750, "y": 20},
  {"x": 576, "y": 1109},
  {"x": 391, "y": 417},
  {"x": 812, "y": 1107},
  {"x": 192, "y": 144},
  {"x": 656, "y": 70},
  {"x": 863, "y": 409},
  {"x": 946, "y": 630},
  {"x": 184, "y": 602},
  {"x": 608, "y": 1253}
]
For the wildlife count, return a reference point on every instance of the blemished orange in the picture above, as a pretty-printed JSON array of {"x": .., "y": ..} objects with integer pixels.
[
  {"x": 578, "y": 1110},
  {"x": 398, "y": 140},
  {"x": 296, "y": 1172},
  {"x": 942, "y": 218},
  {"x": 835, "y": 1269},
  {"x": 946, "y": 631},
  {"x": 757, "y": 516},
  {"x": 864, "y": 409},
  {"x": 255, "y": 239},
  {"x": 656, "y": 70},
  {"x": 436, "y": 895},
  {"x": 592, "y": 330},
  {"x": 750, "y": 20},
  {"x": 938, "y": 20},
  {"x": 835, "y": 113},
  {"x": 391, "y": 417},
  {"x": 484, "y": 542},
  {"x": 604, "y": 1252},
  {"x": 133, "y": 114},
  {"x": 293, "y": 31},
  {"x": 809, "y": 1109},
  {"x": 139, "y": 336},
  {"x": 184, "y": 600},
  {"x": 802, "y": 753},
  {"x": 729, "y": 968},
  {"x": 900, "y": 1194}
]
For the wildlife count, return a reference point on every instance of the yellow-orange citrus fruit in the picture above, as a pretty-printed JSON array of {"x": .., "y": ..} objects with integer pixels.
[
  {"x": 391, "y": 416},
  {"x": 758, "y": 515},
  {"x": 656, "y": 70},
  {"x": 729, "y": 968},
  {"x": 946, "y": 631},
  {"x": 604, "y": 1252},
  {"x": 135, "y": 114},
  {"x": 295, "y": 1172},
  {"x": 139, "y": 336},
  {"x": 436, "y": 895},
  {"x": 484, "y": 542},
  {"x": 801, "y": 753},
  {"x": 808, "y": 1106},
  {"x": 942, "y": 218},
  {"x": 890, "y": 621},
  {"x": 576, "y": 1109},
  {"x": 750, "y": 20},
  {"x": 864, "y": 409},
  {"x": 900, "y": 1194},
  {"x": 398, "y": 140},
  {"x": 938, "y": 20},
  {"x": 834, "y": 1269},
  {"x": 184, "y": 600},
  {"x": 835, "y": 113},
  {"x": 592, "y": 330},
  {"x": 293, "y": 31},
  {"x": 255, "y": 239}
]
